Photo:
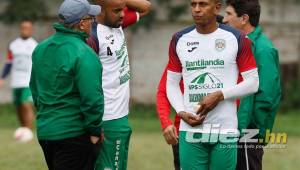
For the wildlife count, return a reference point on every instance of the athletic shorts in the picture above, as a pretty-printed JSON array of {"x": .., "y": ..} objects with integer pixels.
[
  {"x": 206, "y": 155},
  {"x": 21, "y": 95},
  {"x": 114, "y": 149}
]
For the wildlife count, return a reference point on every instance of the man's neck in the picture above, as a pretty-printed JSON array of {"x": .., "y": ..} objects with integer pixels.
[
  {"x": 207, "y": 29},
  {"x": 24, "y": 38},
  {"x": 248, "y": 29}
]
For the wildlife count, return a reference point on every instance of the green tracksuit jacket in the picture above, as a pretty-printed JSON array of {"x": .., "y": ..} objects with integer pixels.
[
  {"x": 258, "y": 111},
  {"x": 66, "y": 86}
]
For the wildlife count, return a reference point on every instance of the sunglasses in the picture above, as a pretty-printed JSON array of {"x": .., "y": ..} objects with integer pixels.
[{"x": 89, "y": 18}]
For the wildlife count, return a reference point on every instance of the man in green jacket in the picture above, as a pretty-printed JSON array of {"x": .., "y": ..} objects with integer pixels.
[
  {"x": 67, "y": 90},
  {"x": 257, "y": 111}
]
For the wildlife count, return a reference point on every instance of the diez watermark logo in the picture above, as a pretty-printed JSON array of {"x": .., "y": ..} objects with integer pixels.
[{"x": 212, "y": 133}]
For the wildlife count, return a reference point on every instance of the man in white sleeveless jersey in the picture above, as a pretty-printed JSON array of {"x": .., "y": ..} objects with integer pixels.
[{"x": 109, "y": 42}]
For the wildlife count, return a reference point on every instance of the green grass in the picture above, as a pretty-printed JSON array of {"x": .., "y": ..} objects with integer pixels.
[{"x": 148, "y": 150}]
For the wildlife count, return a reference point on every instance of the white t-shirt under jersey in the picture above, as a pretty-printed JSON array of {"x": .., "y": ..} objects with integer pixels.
[{"x": 20, "y": 52}]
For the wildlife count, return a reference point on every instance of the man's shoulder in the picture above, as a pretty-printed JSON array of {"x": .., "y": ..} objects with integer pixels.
[
  {"x": 263, "y": 42},
  {"x": 264, "y": 48},
  {"x": 105, "y": 30},
  {"x": 33, "y": 41},
  {"x": 63, "y": 43},
  {"x": 14, "y": 42},
  {"x": 236, "y": 32},
  {"x": 182, "y": 32},
  {"x": 43, "y": 44},
  {"x": 101, "y": 33}
]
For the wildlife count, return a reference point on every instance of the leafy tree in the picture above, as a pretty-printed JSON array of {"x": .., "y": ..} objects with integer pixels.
[
  {"x": 173, "y": 10},
  {"x": 18, "y": 10}
]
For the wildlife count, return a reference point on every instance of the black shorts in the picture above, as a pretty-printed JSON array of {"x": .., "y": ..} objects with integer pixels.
[{"x": 76, "y": 153}]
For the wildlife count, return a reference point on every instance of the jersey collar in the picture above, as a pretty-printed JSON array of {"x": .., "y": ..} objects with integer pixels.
[{"x": 255, "y": 33}]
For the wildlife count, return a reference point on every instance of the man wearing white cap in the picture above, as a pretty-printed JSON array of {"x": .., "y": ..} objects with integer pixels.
[{"x": 66, "y": 88}]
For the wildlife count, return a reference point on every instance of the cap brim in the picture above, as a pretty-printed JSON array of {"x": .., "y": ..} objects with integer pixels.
[{"x": 95, "y": 10}]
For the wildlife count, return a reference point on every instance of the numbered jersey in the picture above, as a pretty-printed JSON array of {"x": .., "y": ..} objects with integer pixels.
[
  {"x": 111, "y": 46},
  {"x": 208, "y": 63},
  {"x": 19, "y": 54}
]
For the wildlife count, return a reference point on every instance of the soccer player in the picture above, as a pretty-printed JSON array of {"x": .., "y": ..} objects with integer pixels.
[
  {"x": 66, "y": 89},
  {"x": 109, "y": 42},
  {"x": 256, "y": 111},
  {"x": 19, "y": 63},
  {"x": 209, "y": 56},
  {"x": 170, "y": 130}
]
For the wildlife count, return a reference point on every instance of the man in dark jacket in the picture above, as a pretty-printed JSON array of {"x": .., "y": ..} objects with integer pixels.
[
  {"x": 256, "y": 111},
  {"x": 67, "y": 90}
]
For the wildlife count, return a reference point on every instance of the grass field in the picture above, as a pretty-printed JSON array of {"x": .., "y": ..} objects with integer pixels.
[{"x": 148, "y": 150}]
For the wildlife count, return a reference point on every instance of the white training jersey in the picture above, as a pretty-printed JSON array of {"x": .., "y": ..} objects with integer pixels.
[
  {"x": 110, "y": 44},
  {"x": 116, "y": 71},
  {"x": 208, "y": 63},
  {"x": 19, "y": 53}
]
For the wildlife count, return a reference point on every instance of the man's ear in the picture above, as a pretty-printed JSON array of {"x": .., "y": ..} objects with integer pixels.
[
  {"x": 245, "y": 19},
  {"x": 81, "y": 25},
  {"x": 218, "y": 8}
]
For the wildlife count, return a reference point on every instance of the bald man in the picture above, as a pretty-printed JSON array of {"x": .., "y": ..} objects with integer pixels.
[{"x": 109, "y": 42}]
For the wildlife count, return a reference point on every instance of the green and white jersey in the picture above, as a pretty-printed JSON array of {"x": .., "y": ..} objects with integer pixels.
[
  {"x": 209, "y": 63},
  {"x": 113, "y": 55}
]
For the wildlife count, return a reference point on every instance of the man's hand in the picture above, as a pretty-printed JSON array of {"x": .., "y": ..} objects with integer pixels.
[
  {"x": 170, "y": 135},
  {"x": 209, "y": 102},
  {"x": 1, "y": 83},
  {"x": 94, "y": 139},
  {"x": 192, "y": 120}
]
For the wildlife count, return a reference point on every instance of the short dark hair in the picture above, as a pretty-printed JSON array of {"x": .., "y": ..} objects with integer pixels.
[
  {"x": 26, "y": 20},
  {"x": 249, "y": 7}
]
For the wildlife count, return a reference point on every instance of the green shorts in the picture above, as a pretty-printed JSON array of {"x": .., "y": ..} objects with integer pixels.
[
  {"x": 21, "y": 95},
  {"x": 206, "y": 156},
  {"x": 114, "y": 149}
]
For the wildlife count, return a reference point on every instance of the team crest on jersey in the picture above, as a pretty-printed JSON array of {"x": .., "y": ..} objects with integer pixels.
[{"x": 220, "y": 44}]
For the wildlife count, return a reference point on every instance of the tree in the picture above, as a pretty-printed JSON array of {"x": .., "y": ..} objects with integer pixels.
[
  {"x": 173, "y": 11},
  {"x": 18, "y": 10}
]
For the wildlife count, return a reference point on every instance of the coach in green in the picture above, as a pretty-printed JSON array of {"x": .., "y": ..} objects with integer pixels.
[
  {"x": 67, "y": 90},
  {"x": 257, "y": 111}
]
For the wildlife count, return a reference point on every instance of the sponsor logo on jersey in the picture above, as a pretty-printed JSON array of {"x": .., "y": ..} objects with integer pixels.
[
  {"x": 220, "y": 44},
  {"x": 120, "y": 53},
  {"x": 109, "y": 36},
  {"x": 203, "y": 81},
  {"x": 197, "y": 97},
  {"x": 192, "y": 43},
  {"x": 122, "y": 56},
  {"x": 202, "y": 64},
  {"x": 191, "y": 50}
]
